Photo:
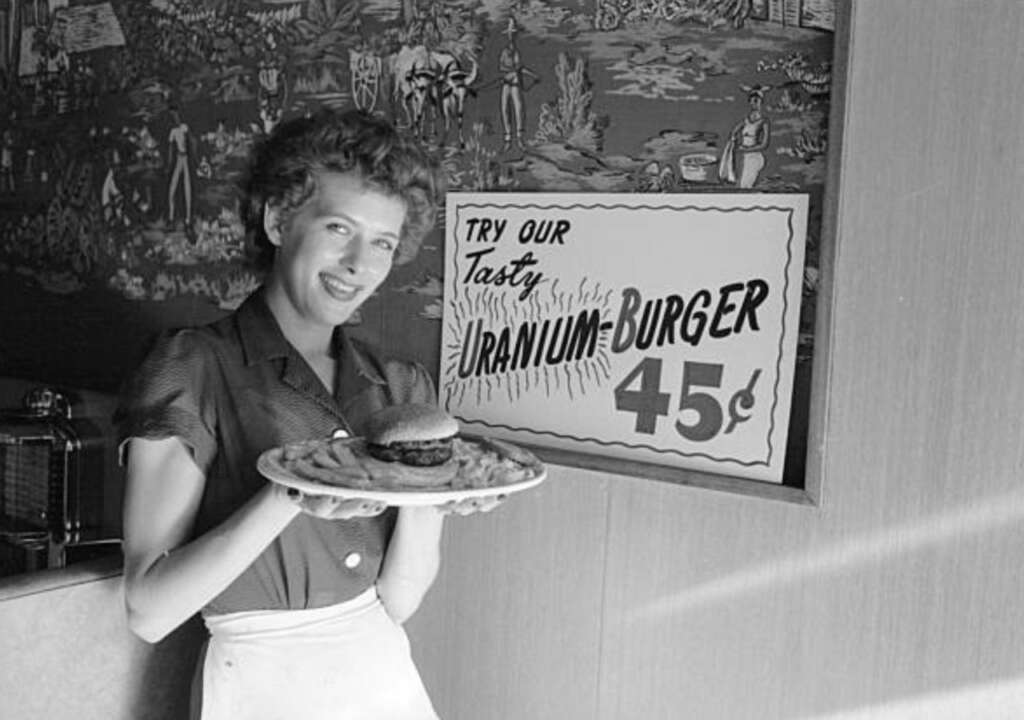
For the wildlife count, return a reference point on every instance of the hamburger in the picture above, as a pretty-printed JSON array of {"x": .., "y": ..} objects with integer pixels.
[{"x": 411, "y": 434}]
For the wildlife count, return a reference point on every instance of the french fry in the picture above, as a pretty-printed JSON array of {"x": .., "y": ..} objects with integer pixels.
[
  {"x": 354, "y": 477},
  {"x": 295, "y": 450},
  {"x": 321, "y": 457},
  {"x": 307, "y": 470},
  {"x": 342, "y": 452}
]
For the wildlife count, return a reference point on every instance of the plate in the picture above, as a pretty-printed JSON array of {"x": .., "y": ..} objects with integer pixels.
[{"x": 388, "y": 476}]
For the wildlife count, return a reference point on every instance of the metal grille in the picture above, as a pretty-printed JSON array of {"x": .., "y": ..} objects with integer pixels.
[
  {"x": 26, "y": 473},
  {"x": 52, "y": 474}
]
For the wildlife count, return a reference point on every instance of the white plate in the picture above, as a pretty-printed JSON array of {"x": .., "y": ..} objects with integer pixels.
[{"x": 271, "y": 469}]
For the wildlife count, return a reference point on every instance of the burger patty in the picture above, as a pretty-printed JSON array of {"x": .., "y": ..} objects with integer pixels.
[{"x": 413, "y": 452}]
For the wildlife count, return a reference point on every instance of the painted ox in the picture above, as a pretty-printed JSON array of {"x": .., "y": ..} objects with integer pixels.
[
  {"x": 415, "y": 81},
  {"x": 454, "y": 84},
  {"x": 431, "y": 83}
]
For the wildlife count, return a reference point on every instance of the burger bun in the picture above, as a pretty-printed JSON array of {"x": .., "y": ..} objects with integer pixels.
[{"x": 412, "y": 434}]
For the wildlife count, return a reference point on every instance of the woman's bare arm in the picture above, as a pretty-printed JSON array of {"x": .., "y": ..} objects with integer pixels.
[
  {"x": 764, "y": 136},
  {"x": 412, "y": 561},
  {"x": 167, "y": 579}
]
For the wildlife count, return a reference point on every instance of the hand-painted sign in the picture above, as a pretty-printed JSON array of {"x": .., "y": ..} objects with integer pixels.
[{"x": 653, "y": 328}]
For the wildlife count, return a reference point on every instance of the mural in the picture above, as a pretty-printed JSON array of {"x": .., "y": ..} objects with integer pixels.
[{"x": 126, "y": 123}]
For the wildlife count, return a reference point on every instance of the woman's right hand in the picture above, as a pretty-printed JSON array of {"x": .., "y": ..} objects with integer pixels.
[{"x": 330, "y": 507}]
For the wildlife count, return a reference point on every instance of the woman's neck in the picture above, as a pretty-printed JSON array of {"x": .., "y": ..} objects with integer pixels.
[{"x": 313, "y": 341}]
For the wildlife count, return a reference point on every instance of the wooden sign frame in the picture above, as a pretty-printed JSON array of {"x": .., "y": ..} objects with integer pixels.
[{"x": 803, "y": 487}]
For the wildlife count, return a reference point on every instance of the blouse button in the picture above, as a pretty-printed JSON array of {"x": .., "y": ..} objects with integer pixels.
[
  {"x": 352, "y": 560},
  {"x": 339, "y": 433}
]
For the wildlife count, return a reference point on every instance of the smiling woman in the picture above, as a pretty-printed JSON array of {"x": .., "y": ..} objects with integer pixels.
[
  {"x": 332, "y": 254},
  {"x": 316, "y": 587}
]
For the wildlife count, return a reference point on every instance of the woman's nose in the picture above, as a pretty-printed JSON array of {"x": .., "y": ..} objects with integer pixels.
[{"x": 354, "y": 255}]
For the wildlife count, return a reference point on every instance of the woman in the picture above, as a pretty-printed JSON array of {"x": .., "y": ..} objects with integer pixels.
[
  {"x": 303, "y": 596},
  {"x": 743, "y": 157}
]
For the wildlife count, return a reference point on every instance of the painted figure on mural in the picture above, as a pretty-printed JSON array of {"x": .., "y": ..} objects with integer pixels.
[
  {"x": 7, "y": 162},
  {"x": 513, "y": 75},
  {"x": 366, "y": 70},
  {"x": 743, "y": 157},
  {"x": 271, "y": 98},
  {"x": 428, "y": 24},
  {"x": 178, "y": 142},
  {"x": 111, "y": 197},
  {"x": 270, "y": 79},
  {"x": 269, "y": 114},
  {"x": 148, "y": 162},
  {"x": 29, "y": 174},
  {"x": 220, "y": 137}
]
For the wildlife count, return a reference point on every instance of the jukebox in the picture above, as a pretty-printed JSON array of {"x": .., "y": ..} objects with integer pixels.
[{"x": 52, "y": 467}]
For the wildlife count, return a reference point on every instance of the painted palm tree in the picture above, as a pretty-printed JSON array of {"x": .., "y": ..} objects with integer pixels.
[{"x": 326, "y": 27}]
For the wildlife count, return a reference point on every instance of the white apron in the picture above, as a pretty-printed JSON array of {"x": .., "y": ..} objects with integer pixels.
[{"x": 348, "y": 661}]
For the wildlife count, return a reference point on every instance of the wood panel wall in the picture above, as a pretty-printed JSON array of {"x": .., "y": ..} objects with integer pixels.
[{"x": 608, "y": 598}]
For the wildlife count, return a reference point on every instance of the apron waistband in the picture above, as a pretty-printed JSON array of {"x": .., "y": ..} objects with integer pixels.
[{"x": 267, "y": 624}]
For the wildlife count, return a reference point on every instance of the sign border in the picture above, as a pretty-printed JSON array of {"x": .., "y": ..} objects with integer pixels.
[
  {"x": 806, "y": 491},
  {"x": 788, "y": 211}
]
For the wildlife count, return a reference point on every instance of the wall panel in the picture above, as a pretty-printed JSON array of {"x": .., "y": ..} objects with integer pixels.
[
  {"x": 897, "y": 597},
  {"x": 513, "y": 628}
]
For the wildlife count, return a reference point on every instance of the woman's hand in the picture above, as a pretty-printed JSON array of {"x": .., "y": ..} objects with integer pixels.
[
  {"x": 330, "y": 507},
  {"x": 472, "y": 505}
]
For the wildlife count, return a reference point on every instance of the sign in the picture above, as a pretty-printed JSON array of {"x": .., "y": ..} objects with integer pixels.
[{"x": 652, "y": 328}]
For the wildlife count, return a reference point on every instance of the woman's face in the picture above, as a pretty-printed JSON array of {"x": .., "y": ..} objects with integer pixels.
[{"x": 336, "y": 249}]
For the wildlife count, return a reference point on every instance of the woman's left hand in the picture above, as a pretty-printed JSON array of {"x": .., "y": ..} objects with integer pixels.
[
  {"x": 331, "y": 507},
  {"x": 472, "y": 505}
]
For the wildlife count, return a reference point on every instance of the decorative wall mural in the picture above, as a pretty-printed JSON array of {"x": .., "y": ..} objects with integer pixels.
[{"x": 126, "y": 123}]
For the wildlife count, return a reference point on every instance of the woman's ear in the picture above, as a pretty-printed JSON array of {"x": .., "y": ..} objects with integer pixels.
[{"x": 272, "y": 224}]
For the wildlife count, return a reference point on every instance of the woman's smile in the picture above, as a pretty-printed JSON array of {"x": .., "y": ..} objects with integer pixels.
[{"x": 338, "y": 288}]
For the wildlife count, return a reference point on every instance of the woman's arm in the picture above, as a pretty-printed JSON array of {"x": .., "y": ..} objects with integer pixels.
[
  {"x": 167, "y": 580},
  {"x": 764, "y": 137},
  {"x": 736, "y": 132},
  {"x": 412, "y": 560}
]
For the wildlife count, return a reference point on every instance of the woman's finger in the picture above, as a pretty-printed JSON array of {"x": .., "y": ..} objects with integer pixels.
[
  {"x": 320, "y": 505},
  {"x": 357, "y": 508},
  {"x": 369, "y": 508},
  {"x": 469, "y": 506},
  {"x": 489, "y": 503}
]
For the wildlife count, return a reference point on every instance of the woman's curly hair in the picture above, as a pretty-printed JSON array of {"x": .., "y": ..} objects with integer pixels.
[{"x": 283, "y": 168}]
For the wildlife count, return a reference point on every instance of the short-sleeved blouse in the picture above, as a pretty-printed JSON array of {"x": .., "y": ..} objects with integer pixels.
[{"x": 236, "y": 387}]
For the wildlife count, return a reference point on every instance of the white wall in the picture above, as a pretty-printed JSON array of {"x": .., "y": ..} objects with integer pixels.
[{"x": 607, "y": 598}]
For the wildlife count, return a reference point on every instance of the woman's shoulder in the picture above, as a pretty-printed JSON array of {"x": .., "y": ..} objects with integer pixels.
[
  {"x": 195, "y": 344},
  {"x": 199, "y": 339},
  {"x": 381, "y": 360},
  {"x": 406, "y": 377}
]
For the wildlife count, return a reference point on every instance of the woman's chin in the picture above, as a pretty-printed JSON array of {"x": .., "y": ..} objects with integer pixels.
[{"x": 337, "y": 312}]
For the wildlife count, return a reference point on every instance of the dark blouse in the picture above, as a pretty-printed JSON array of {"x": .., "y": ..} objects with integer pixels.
[{"x": 236, "y": 387}]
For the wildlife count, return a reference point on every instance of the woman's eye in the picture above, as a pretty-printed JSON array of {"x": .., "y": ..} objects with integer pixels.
[
  {"x": 386, "y": 244},
  {"x": 338, "y": 228}
]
